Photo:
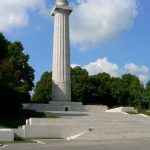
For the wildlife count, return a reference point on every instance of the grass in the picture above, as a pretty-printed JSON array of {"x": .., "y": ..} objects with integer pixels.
[
  {"x": 132, "y": 113},
  {"x": 13, "y": 121},
  {"x": 23, "y": 140},
  {"x": 19, "y": 140},
  {"x": 145, "y": 112},
  {"x": 141, "y": 112}
]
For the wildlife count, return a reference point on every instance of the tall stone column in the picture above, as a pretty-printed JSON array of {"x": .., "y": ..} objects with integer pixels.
[{"x": 61, "y": 82}]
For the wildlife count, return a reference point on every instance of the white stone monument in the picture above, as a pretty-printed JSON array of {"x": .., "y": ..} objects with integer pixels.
[
  {"x": 61, "y": 85},
  {"x": 61, "y": 80}
]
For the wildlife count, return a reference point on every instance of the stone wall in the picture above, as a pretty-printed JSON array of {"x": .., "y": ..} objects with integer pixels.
[
  {"x": 6, "y": 135},
  {"x": 63, "y": 106},
  {"x": 123, "y": 109}
]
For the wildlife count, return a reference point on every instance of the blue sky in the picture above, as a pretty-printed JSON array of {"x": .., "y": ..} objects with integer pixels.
[{"x": 110, "y": 35}]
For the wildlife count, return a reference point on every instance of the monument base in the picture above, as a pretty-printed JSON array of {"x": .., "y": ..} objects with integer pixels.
[
  {"x": 56, "y": 106},
  {"x": 66, "y": 106}
]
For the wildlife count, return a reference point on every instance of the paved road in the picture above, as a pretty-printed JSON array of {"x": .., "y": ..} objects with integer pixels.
[{"x": 132, "y": 144}]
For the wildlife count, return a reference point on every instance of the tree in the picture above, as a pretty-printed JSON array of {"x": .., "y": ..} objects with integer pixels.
[
  {"x": 78, "y": 71},
  {"x": 116, "y": 91},
  {"x": 16, "y": 75},
  {"x": 102, "y": 82},
  {"x": 3, "y": 47},
  {"x": 80, "y": 85},
  {"x": 82, "y": 89},
  {"x": 146, "y": 96},
  {"x": 132, "y": 91},
  {"x": 24, "y": 73},
  {"x": 43, "y": 89},
  {"x": 7, "y": 72}
]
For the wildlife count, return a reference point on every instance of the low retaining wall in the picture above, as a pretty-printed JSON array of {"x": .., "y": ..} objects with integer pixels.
[
  {"x": 96, "y": 108},
  {"x": 51, "y": 131},
  {"x": 48, "y": 122},
  {"x": 6, "y": 135},
  {"x": 123, "y": 109},
  {"x": 18, "y": 132}
]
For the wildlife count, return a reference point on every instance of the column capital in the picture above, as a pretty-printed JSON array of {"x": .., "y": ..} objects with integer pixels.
[{"x": 64, "y": 8}]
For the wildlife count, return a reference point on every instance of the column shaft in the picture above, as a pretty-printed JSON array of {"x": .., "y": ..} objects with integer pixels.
[{"x": 61, "y": 87}]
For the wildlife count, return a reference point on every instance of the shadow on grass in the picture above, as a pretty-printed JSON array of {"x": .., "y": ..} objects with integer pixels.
[{"x": 13, "y": 121}]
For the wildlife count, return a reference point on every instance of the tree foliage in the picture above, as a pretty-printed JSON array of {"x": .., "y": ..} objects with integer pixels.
[
  {"x": 80, "y": 85},
  {"x": 16, "y": 75},
  {"x": 99, "y": 89},
  {"x": 132, "y": 90},
  {"x": 146, "y": 95},
  {"x": 43, "y": 89}
]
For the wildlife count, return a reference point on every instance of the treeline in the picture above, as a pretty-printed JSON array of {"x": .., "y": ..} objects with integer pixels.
[
  {"x": 16, "y": 76},
  {"x": 99, "y": 89}
]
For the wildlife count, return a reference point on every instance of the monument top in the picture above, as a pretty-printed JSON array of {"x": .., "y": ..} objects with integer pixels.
[{"x": 61, "y": 2}]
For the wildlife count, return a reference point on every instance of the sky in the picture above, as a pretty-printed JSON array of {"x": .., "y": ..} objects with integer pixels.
[{"x": 110, "y": 36}]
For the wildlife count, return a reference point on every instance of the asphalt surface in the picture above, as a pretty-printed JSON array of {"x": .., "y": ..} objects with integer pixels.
[{"x": 130, "y": 144}]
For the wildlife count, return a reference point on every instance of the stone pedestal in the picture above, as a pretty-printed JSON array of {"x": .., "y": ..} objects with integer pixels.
[
  {"x": 66, "y": 106},
  {"x": 56, "y": 106}
]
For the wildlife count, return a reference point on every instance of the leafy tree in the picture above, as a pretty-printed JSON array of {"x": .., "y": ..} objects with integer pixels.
[
  {"x": 78, "y": 71},
  {"x": 7, "y": 72},
  {"x": 102, "y": 81},
  {"x": 24, "y": 73},
  {"x": 116, "y": 91},
  {"x": 43, "y": 89},
  {"x": 3, "y": 47},
  {"x": 80, "y": 85},
  {"x": 132, "y": 90},
  {"x": 82, "y": 89},
  {"x": 16, "y": 75},
  {"x": 146, "y": 95}
]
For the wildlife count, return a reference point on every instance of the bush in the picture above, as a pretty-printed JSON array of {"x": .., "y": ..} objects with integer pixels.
[{"x": 10, "y": 101}]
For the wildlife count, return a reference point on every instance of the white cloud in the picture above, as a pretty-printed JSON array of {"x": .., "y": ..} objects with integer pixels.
[
  {"x": 15, "y": 13},
  {"x": 102, "y": 65},
  {"x": 141, "y": 71},
  {"x": 97, "y": 21},
  {"x": 143, "y": 77},
  {"x": 132, "y": 68},
  {"x": 74, "y": 65}
]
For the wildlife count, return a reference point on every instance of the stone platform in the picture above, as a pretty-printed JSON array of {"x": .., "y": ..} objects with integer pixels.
[
  {"x": 65, "y": 107},
  {"x": 56, "y": 106},
  {"x": 96, "y": 126}
]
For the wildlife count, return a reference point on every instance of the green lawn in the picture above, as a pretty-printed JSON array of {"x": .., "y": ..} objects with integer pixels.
[
  {"x": 141, "y": 112},
  {"x": 145, "y": 112},
  {"x": 13, "y": 121}
]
